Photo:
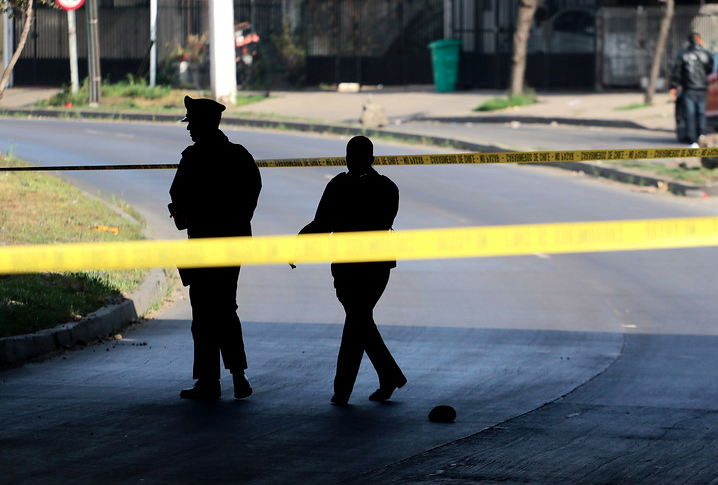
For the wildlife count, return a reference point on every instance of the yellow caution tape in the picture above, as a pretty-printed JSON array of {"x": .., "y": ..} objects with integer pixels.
[
  {"x": 436, "y": 159},
  {"x": 466, "y": 242},
  {"x": 504, "y": 157}
]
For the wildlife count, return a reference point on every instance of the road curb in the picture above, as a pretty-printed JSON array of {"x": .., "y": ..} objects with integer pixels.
[
  {"x": 348, "y": 130},
  {"x": 100, "y": 324},
  {"x": 541, "y": 120}
]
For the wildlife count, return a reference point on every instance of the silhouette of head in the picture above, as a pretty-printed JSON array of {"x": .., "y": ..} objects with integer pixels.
[
  {"x": 203, "y": 117},
  {"x": 360, "y": 155}
]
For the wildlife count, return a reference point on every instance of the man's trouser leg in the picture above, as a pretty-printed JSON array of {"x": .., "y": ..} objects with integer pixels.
[
  {"x": 215, "y": 324},
  {"x": 359, "y": 295},
  {"x": 689, "y": 113},
  {"x": 694, "y": 105},
  {"x": 701, "y": 115}
]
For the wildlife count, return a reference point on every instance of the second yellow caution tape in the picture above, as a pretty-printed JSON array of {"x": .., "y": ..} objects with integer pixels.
[
  {"x": 466, "y": 242},
  {"x": 435, "y": 159}
]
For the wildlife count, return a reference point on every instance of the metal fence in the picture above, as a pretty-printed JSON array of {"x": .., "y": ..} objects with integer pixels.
[
  {"x": 307, "y": 41},
  {"x": 573, "y": 43},
  {"x": 627, "y": 41},
  {"x": 370, "y": 41},
  {"x": 561, "y": 47},
  {"x": 124, "y": 42}
]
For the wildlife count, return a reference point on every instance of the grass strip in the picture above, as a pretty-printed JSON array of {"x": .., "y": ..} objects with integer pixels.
[
  {"x": 510, "y": 101},
  {"x": 133, "y": 95},
  {"x": 39, "y": 208}
]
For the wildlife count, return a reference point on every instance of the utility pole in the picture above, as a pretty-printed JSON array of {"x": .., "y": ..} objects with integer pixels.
[
  {"x": 70, "y": 6},
  {"x": 222, "y": 68},
  {"x": 93, "y": 55},
  {"x": 72, "y": 39},
  {"x": 153, "y": 42}
]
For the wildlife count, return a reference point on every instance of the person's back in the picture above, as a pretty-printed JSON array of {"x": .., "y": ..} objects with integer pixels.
[
  {"x": 219, "y": 181},
  {"x": 357, "y": 202},
  {"x": 692, "y": 68}
]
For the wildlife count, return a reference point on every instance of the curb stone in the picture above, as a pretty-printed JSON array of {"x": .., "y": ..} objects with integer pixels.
[{"x": 106, "y": 321}]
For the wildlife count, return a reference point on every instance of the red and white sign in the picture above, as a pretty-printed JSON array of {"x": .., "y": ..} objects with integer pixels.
[{"x": 70, "y": 4}]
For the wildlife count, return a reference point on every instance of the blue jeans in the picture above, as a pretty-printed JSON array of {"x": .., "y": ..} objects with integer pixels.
[{"x": 694, "y": 111}]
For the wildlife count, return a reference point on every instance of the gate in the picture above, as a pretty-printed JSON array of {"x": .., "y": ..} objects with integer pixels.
[
  {"x": 371, "y": 41},
  {"x": 561, "y": 47}
]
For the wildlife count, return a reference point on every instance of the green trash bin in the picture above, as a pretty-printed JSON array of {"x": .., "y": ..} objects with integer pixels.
[{"x": 445, "y": 63}]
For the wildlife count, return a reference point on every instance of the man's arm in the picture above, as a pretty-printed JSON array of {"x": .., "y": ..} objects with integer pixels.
[
  {"x": 179, "y": 193},
  {"x": 326, "y": 213},
  {"x": 676, "y": 76},
  {"x": 252, "y": 186},
  {"x": 390, "y": 204},
  {"x": 709, "y": 65}
]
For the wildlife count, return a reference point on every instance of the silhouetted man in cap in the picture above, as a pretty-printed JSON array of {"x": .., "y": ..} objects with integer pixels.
[
  {"x": 214, "y": 194},
  {"x": 360, "y": 200}
]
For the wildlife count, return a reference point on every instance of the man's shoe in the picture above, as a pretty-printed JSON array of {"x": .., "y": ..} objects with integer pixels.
[
  {"x": 242, "y": 388},
  {"x": 203, "y": 390},
  {"x": 340, "y": 399},
  {"x": 385, "y": 392}
]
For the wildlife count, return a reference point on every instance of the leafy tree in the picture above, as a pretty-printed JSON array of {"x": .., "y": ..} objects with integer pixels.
[
  {"x": 27, "y": 9},
  {"x": 660, "y": 47},
  {"x": 524, "y": 19}
]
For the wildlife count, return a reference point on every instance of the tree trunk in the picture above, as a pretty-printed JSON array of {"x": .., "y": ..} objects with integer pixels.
[
  {"x": 660, "y": 47},
  {"x": 524, "y": 18},
  {"x": 21, "y": 45}
]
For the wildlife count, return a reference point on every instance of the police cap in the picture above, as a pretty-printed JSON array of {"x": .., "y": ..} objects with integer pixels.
[{"x": 202, "y": 109}]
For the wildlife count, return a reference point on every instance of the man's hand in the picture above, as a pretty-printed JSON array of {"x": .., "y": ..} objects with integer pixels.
[
  {"x": 180, "y": 218},
  {"x": 672, "y": 93}
]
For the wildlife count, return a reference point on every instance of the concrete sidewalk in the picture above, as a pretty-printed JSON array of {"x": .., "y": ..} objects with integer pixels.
[
  {"x": 404, "y": 104},
  {"x": 422, "y": 102}
]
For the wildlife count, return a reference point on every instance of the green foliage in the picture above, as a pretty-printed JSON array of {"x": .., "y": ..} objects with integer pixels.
[
  {"x": 632, "y": 106},
  {"x": 33, "y": 302},
  {"x": 130, "y": 88},
  {"x": 281, "y": 60},
  {"x": 16, "y": 5},
  {"x": 196, "y": 52},
  {"x": 509, "y": 101},
  {"x": 243, "y": 99}
]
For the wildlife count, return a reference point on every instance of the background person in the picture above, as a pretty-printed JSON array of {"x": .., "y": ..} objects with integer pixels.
[
  {"x": 214, "y": 194},
  {"x": 690, "y": 74}
]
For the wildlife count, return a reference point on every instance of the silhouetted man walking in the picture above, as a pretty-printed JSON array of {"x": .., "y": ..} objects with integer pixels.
[
  {"x": 214, "y": 194},
  {"x": 360, "y": 200}
]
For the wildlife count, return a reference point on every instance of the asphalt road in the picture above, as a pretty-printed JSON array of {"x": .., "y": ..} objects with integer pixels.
[{"x": 587, "y": 368}]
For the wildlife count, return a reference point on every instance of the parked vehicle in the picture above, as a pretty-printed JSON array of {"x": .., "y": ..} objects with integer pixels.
[
  {"x": 246, "y": 41},
  {"x": 570, "y": 30}
]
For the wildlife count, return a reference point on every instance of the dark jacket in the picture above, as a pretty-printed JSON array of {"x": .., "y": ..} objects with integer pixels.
[
  {"x": 352, "y": 202},
  {"x": 691, "y": 69},
  {"x": 216, "y": 188}
]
